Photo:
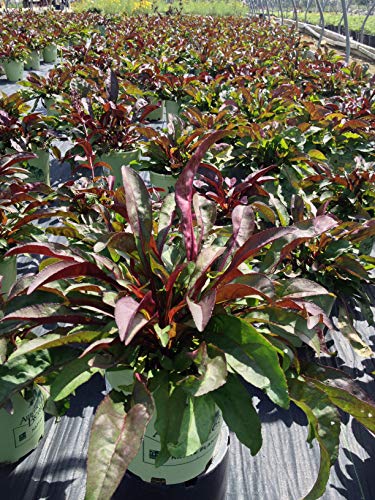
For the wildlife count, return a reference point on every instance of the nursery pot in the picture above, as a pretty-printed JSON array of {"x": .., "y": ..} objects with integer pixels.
[
  {"x": 33, "y": 61},
  {"x": 163, "y": 181},
  {"x": 39, "y": 170},
  {"x": 172, "y": 108},
  {"x": 116, "y": 159},
  {"x": 210, "y": 484},
  {"x": 13, "y": 70},
  {"x": 8, "y": 270},
  {"x": 21, "y": 431},
  {"x": 175, "y": 470},
  {"x": 186, "y": 478},
  {"x": 50, "y": 53},
  {"x": 101, "y": 29},
  {"x": 157, "y": 114}
]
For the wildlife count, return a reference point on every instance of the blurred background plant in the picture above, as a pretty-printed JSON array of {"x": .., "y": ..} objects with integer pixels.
[{"x": 202, "y": 7}]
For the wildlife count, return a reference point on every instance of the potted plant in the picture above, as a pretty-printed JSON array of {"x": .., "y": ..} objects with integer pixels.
[
  {"x": 167, "y": 151},
  {"x": 23, "y": 401},
  {"x": 180, "y": 302},
  {"x": 22, "y": 423},
  {"x": 13, "y": 53},
  {"x": 29, "y": 132},
  {"x": 34, "y": 42},
  {"x": 173, "y": 91},
  {"x": 48, "y": 89},
  {"x": 20, "y": 204},
  {"x": 51, "y": 41},
  {"x": 109, "y": 125}
]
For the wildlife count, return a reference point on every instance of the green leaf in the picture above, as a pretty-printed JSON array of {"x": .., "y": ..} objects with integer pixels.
[
  {"x": 115, "y": 439},
  {"x": 161, "y": 399},
  {"x": 288, "y": 325},
  {"x": 281, "y": 210},
  {"x": 54, "y": 340},
  {"x": 351, "y": 266},
  {"x": 238, "y": 412},
  {"x": 344, "y": 393},
  {"x": 316, "y": 155},
  {"x": 197, "y": 422},
  {"x": 265, "y": 211},
  {"x": 251, "y": 355},
  {"x": 162, "y": 334},
  {"x": 39, "y": 297},
  {"x": 165, "y": 219},
  {"x": 324, "y": 425},
  {"x": 139, "y": 209},
  {"x": 169, "y": 413},
  {"x": 360, "y": 410},
  {"x": 212, "y": 370},
  {"x": 20, "y": 372},
  {"x": 3, "y": 350},
  {"x": 72, "y": 376}
]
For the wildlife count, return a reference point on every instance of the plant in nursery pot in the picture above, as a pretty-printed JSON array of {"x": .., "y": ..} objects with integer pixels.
[
  {"x": 31, "y": 132},
  {"x": 108, "y": 126},
  {"x": 13, "y": 53},
  {"x": 21, "y": 422},
  {"x": 166, "y": 152},
  {"x": 21, "y": 412},
  {"x": 34, "y": 41},
  {"x": 49, "y": 90},
  {"x": 20, "y": 205},
  {"x": 175, "y": 309},
  {"x": 22, "y": 400},
  {"x": 342, "y": 262},
  {"x": 51, "y": 41},
  {"x": 173, "y": 91}
]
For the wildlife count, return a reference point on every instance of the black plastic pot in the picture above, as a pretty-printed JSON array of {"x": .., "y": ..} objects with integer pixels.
[{"x": 210, "y": 485}]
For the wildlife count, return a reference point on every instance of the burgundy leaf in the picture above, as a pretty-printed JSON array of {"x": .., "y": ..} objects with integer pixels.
[
  {"x": 129, "y": 318},
  {"x": 47, "y": 249},
  {"x": 303, "y": 230},
  {"x": 184, "y": 191},
  {"x": 202, "y": 311},
  {"x": 139, "y": 209},
  {"x": 64, "y": 270}
]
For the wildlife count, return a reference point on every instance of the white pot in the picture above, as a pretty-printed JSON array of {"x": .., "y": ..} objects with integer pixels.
[
  {"x": 116, "y": 159},
  {"x": 175, "y": 470},
  {"x": 163, "y": 181},
  {"x": 21, "y": 431}
]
